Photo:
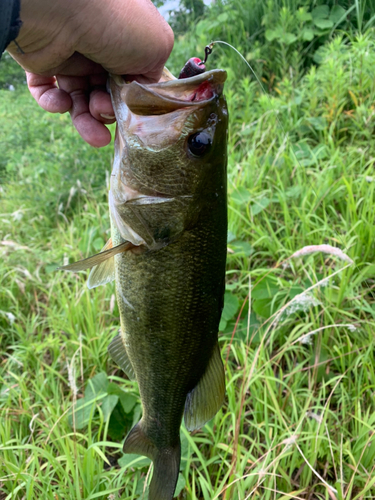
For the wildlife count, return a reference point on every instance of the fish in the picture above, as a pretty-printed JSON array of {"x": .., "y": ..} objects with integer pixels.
[{"x": 167, "y": 255}]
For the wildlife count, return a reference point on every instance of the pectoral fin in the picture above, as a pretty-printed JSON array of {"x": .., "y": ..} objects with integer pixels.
[
  {"x": 103, "y": 273},
  {"x": 203, "y": 402},
  {"x": 97, "y": 259},
  {"x": 118, "y": 353}
]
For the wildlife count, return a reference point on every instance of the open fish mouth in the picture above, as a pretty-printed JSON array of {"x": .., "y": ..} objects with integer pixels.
[
  {"x": 168, "y": 95},
  {"x": 154, "y": 115}
]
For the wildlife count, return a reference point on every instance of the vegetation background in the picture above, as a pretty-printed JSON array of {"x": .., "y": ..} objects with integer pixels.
[{"x": 298, "y": 327}]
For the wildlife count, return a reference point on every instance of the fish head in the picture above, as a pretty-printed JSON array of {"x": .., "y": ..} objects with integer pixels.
[{"x": 171, "y": 143}]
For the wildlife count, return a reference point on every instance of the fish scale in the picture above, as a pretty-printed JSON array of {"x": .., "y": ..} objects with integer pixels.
[{"x": 177, "y": 310}]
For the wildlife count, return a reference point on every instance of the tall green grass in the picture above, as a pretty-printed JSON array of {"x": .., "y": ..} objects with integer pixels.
[{"x": 297, "y": 333}]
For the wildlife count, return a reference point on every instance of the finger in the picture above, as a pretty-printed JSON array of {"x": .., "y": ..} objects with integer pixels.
[
  {"x": 101, "y": 106},
  {"x": 47, "y": 94},
  {"x": 90, "y": 129},
  {"x": 100, "y": 101}
]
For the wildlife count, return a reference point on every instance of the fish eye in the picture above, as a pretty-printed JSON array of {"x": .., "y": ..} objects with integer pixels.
[{"x": 199, "y": 143}]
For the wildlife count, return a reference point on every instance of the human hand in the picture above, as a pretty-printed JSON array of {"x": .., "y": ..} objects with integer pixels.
[{"x": 70, "y": 46}]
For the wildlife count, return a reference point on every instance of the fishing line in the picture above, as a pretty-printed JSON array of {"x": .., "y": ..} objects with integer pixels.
[
  {"x": 208, "y": 50},
  {"x": 243, "y": 58},
  {"x": 210, "y": 46}
]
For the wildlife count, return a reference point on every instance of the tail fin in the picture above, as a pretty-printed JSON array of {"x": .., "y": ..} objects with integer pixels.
[
  {"x": 166, "y": 462},
  {"x": 165, "y": 475}
]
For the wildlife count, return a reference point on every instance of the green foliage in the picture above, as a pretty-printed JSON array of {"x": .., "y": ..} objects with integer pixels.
[
  {"x": 187, "y": 14},
  {"x": 288, "y": 33},
  {"x": 297, "y": 332},
  {"x": 277, "y": 37},
  {"x": 158, "y": 3},
  {"x": 117, "y": 406},
  {"x": 11, "y": 75}
]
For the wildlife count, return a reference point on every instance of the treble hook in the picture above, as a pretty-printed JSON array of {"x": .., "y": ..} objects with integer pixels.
[{"x": 207, "y": 51}]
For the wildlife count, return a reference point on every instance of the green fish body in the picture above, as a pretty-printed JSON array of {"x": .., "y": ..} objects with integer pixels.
[{"x": 168, "y": 207}]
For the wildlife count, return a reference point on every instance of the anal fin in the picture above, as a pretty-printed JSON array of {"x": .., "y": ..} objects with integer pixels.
[
  {"x": 117, "y": 351},
  {"x": 137, "y": 442},
  {"x": 205, "y": 400}
]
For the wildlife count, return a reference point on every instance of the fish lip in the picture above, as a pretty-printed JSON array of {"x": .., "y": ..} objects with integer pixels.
[
  {"x": 215, "y": 76},
  {"x": 165, "y": 90}
]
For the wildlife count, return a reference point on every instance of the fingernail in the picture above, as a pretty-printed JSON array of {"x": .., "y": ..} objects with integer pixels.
[{"x": 107, "y": 117}]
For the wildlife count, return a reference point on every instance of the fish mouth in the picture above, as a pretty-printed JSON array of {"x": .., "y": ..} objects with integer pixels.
[{"x": 170, "y": 95}]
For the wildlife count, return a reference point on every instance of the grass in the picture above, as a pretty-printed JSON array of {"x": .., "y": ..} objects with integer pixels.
[{"x": 297, "y": 334}]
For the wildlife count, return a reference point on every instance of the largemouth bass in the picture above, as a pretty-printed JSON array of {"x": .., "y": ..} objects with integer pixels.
[{"x": 167, "y": 255}]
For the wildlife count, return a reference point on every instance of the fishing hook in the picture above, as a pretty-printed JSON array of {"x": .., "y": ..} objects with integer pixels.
[{"x": 207, "y": 51}]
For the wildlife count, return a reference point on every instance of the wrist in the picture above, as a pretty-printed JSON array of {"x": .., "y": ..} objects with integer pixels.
[{"x": 10, "y": 22}]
